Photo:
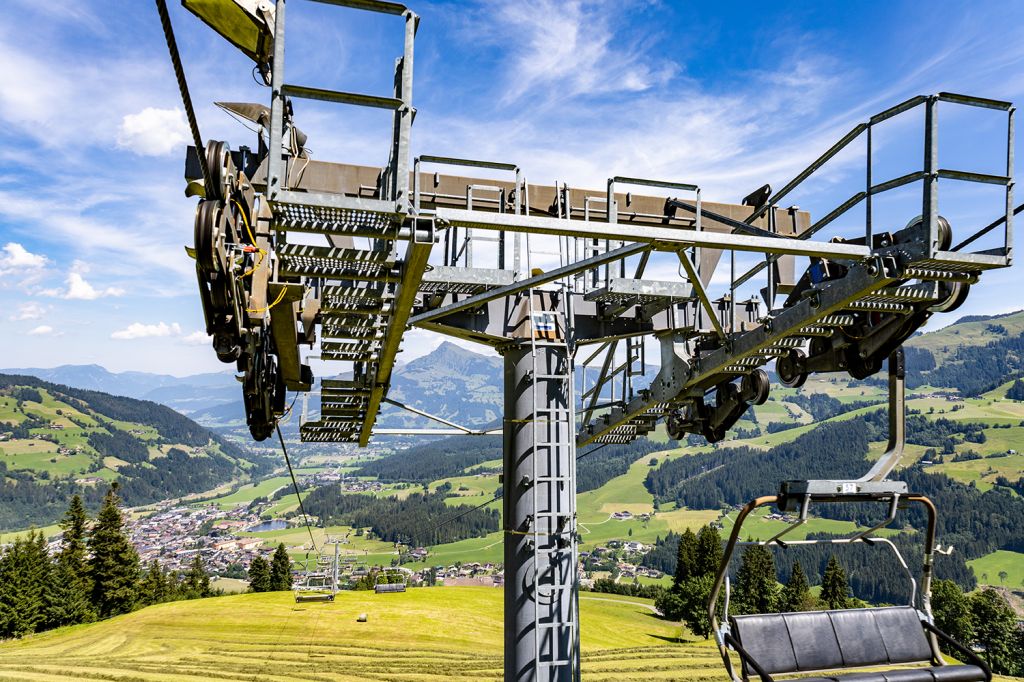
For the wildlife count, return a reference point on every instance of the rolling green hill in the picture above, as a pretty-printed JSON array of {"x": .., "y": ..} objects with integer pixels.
[
  {"x": 56, "y": 440},
  {"x": 425, "y": 634}
]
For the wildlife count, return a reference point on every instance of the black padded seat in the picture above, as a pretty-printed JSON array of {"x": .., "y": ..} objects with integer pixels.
[
  {"x": 958, "y": 673},
  {"x": 815, "y": 641}
]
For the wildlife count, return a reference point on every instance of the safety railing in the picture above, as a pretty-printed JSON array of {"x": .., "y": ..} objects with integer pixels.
[{"x": 930, "y": 174}]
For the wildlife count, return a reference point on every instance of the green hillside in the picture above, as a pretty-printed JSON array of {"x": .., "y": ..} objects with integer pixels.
[
  {"x": 56, "y": 440},
  {"x": 428, "y": 634}
]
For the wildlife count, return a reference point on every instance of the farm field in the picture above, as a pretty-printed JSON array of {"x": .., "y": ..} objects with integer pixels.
[
  {"x": 441, "y": 633},
  {"x": 990, "y": 569}
]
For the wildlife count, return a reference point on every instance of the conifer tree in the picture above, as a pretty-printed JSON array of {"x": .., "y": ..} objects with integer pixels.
[
  {"x": 153, "y": 588},
  {"x": 72, "y": 589},
  {"x": 796, "y": 595},
  {"x": 708, "y": 554},
  {"x": 835, "y": 592},
  {"x": 25, "y": 581},
  {"x": 686, "y": 558},
  {"x": 756, "y": 586},
  {"x": 280, "y": 570},
  {"x": 197, "y": 580},
  {"x": 114, "y": 564},
  {"x": 259, "y": 575}
]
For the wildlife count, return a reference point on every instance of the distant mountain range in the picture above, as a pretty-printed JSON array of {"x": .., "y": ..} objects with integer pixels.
[{"x": 464, "y": 386}]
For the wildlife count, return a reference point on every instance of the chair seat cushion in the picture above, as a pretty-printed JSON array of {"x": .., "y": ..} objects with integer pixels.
[
  {"x": 947, "y": 673},
  {"x": 958, "y": 673}
]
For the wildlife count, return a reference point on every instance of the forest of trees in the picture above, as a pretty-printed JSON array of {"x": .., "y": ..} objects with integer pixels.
[
  {"x": 972, "y": 369},
  {"x": 96, "y": 574},
  {"x": 451, "y": 456},
  {"x": 415, "y": 520}
]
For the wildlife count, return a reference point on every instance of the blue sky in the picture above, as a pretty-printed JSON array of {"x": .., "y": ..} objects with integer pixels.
[{"x": 93, "y": 218}]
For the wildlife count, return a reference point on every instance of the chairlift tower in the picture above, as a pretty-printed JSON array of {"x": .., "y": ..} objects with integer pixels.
[{"x": 295, "y": 255}]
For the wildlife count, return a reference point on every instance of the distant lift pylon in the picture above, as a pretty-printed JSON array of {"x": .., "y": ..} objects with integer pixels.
[{"x": 294, "y": 253}]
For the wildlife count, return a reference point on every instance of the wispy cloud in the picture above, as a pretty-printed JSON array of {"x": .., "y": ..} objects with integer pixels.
[
  {"x": 29, "y": 311},
  {"x": 567, "y": 48}
]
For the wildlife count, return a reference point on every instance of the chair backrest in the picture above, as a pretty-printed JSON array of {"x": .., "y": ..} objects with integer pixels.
[
  {"x": 785, "y": 643},
  {"x": 389, "y": 587}
]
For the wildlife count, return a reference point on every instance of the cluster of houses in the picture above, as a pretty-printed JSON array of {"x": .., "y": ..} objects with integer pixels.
[{"x": 174, "y": 536}]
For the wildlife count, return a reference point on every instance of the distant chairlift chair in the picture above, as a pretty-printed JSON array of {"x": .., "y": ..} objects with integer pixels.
[
  {"x": 320, "y": 583},
  {"x": 827, "y": 643},
  {"x": 383, "y": 584}
]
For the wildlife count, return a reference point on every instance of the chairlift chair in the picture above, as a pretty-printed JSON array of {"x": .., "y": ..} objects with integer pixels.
[
  {"x": 830, "y": 643},
  {"x": 321, "y": 583},
  {"x": 387, "y": 586}
]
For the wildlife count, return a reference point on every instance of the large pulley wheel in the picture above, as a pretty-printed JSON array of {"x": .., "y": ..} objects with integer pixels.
[
  {"x": 222, "y": 170},
  {"x": 755, "y": 385},
  {"x": 944, "y": 228},
  {"x": 956, "y": 293},
  {"x": 791, "y": 369},
  {"x": 205, "y": 237}
]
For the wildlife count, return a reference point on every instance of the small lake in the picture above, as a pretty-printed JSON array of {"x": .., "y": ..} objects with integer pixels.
[{"x": 276, "y": 524}]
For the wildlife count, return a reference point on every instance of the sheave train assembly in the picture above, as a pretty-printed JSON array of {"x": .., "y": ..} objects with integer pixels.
[{"x": 299, "y": 255}]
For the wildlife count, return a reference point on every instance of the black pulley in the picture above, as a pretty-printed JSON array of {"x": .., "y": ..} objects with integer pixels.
[{"x": 791, "y": 369}]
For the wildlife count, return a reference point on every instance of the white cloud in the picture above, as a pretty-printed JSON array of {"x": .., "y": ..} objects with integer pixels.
[
  {"x": 137, "y": 330},
  {"x": 42, "y": 330},
  {"x": 29, "y": 311},
  {"x": 153, "y": 132},
  {"x": 80, "y": 290},
  {"x": 199, "y": 338},
  {"x": 17, "y": 257}
]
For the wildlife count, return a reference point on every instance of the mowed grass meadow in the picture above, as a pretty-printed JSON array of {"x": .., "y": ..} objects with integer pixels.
[{"x": 425, "y": 634}]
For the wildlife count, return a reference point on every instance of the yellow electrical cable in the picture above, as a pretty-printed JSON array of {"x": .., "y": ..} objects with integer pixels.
[
  {"x": 260, "y": 252},
  {"x": 284, "y": 290}
]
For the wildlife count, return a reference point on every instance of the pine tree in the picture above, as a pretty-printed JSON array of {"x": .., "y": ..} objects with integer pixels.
[
  {"x": 72, "y": 589},
  {"x": 835, "y": 592},
  {"x": 1016, "y": 391},
  {"x": 197, "y": 580},
  {"x": 114, "y": 565},
  {"x": 259, "y": 575},
  {"x": 995, "y": 630},
  {"x": 756, "y": 585},
  {"x": 153, "y": 586},
  {"x": 952, "y": 612},
  {"x": 796, "y": 595},
  {"x": 281, "y": 570},
  {"x": 708, "y": 554},
  {"x": 686, "y": 558},
  {"x": 25, "y": 582}
]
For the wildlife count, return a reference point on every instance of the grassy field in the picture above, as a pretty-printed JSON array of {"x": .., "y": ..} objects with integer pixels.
[
  {"x": 423, "y": 635},
  {"x": 987, "y": 569},
  {"x": 428, "y": 634},
  {"x": 249, "y": 492}
]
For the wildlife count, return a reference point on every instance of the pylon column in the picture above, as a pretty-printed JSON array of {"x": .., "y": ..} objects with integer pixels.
[{"x": 541, "y": 630}]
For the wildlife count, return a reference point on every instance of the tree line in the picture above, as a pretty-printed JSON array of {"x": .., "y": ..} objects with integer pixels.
[
  {"x": 983, "y": 620},
  {"x": 415, "y": 520},
  {"x": 96, "y": 574},
  {"x": 452, "y": 456}
]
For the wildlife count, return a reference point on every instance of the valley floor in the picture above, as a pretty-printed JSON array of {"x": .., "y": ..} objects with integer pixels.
[{"x": 428, "y": 634}]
